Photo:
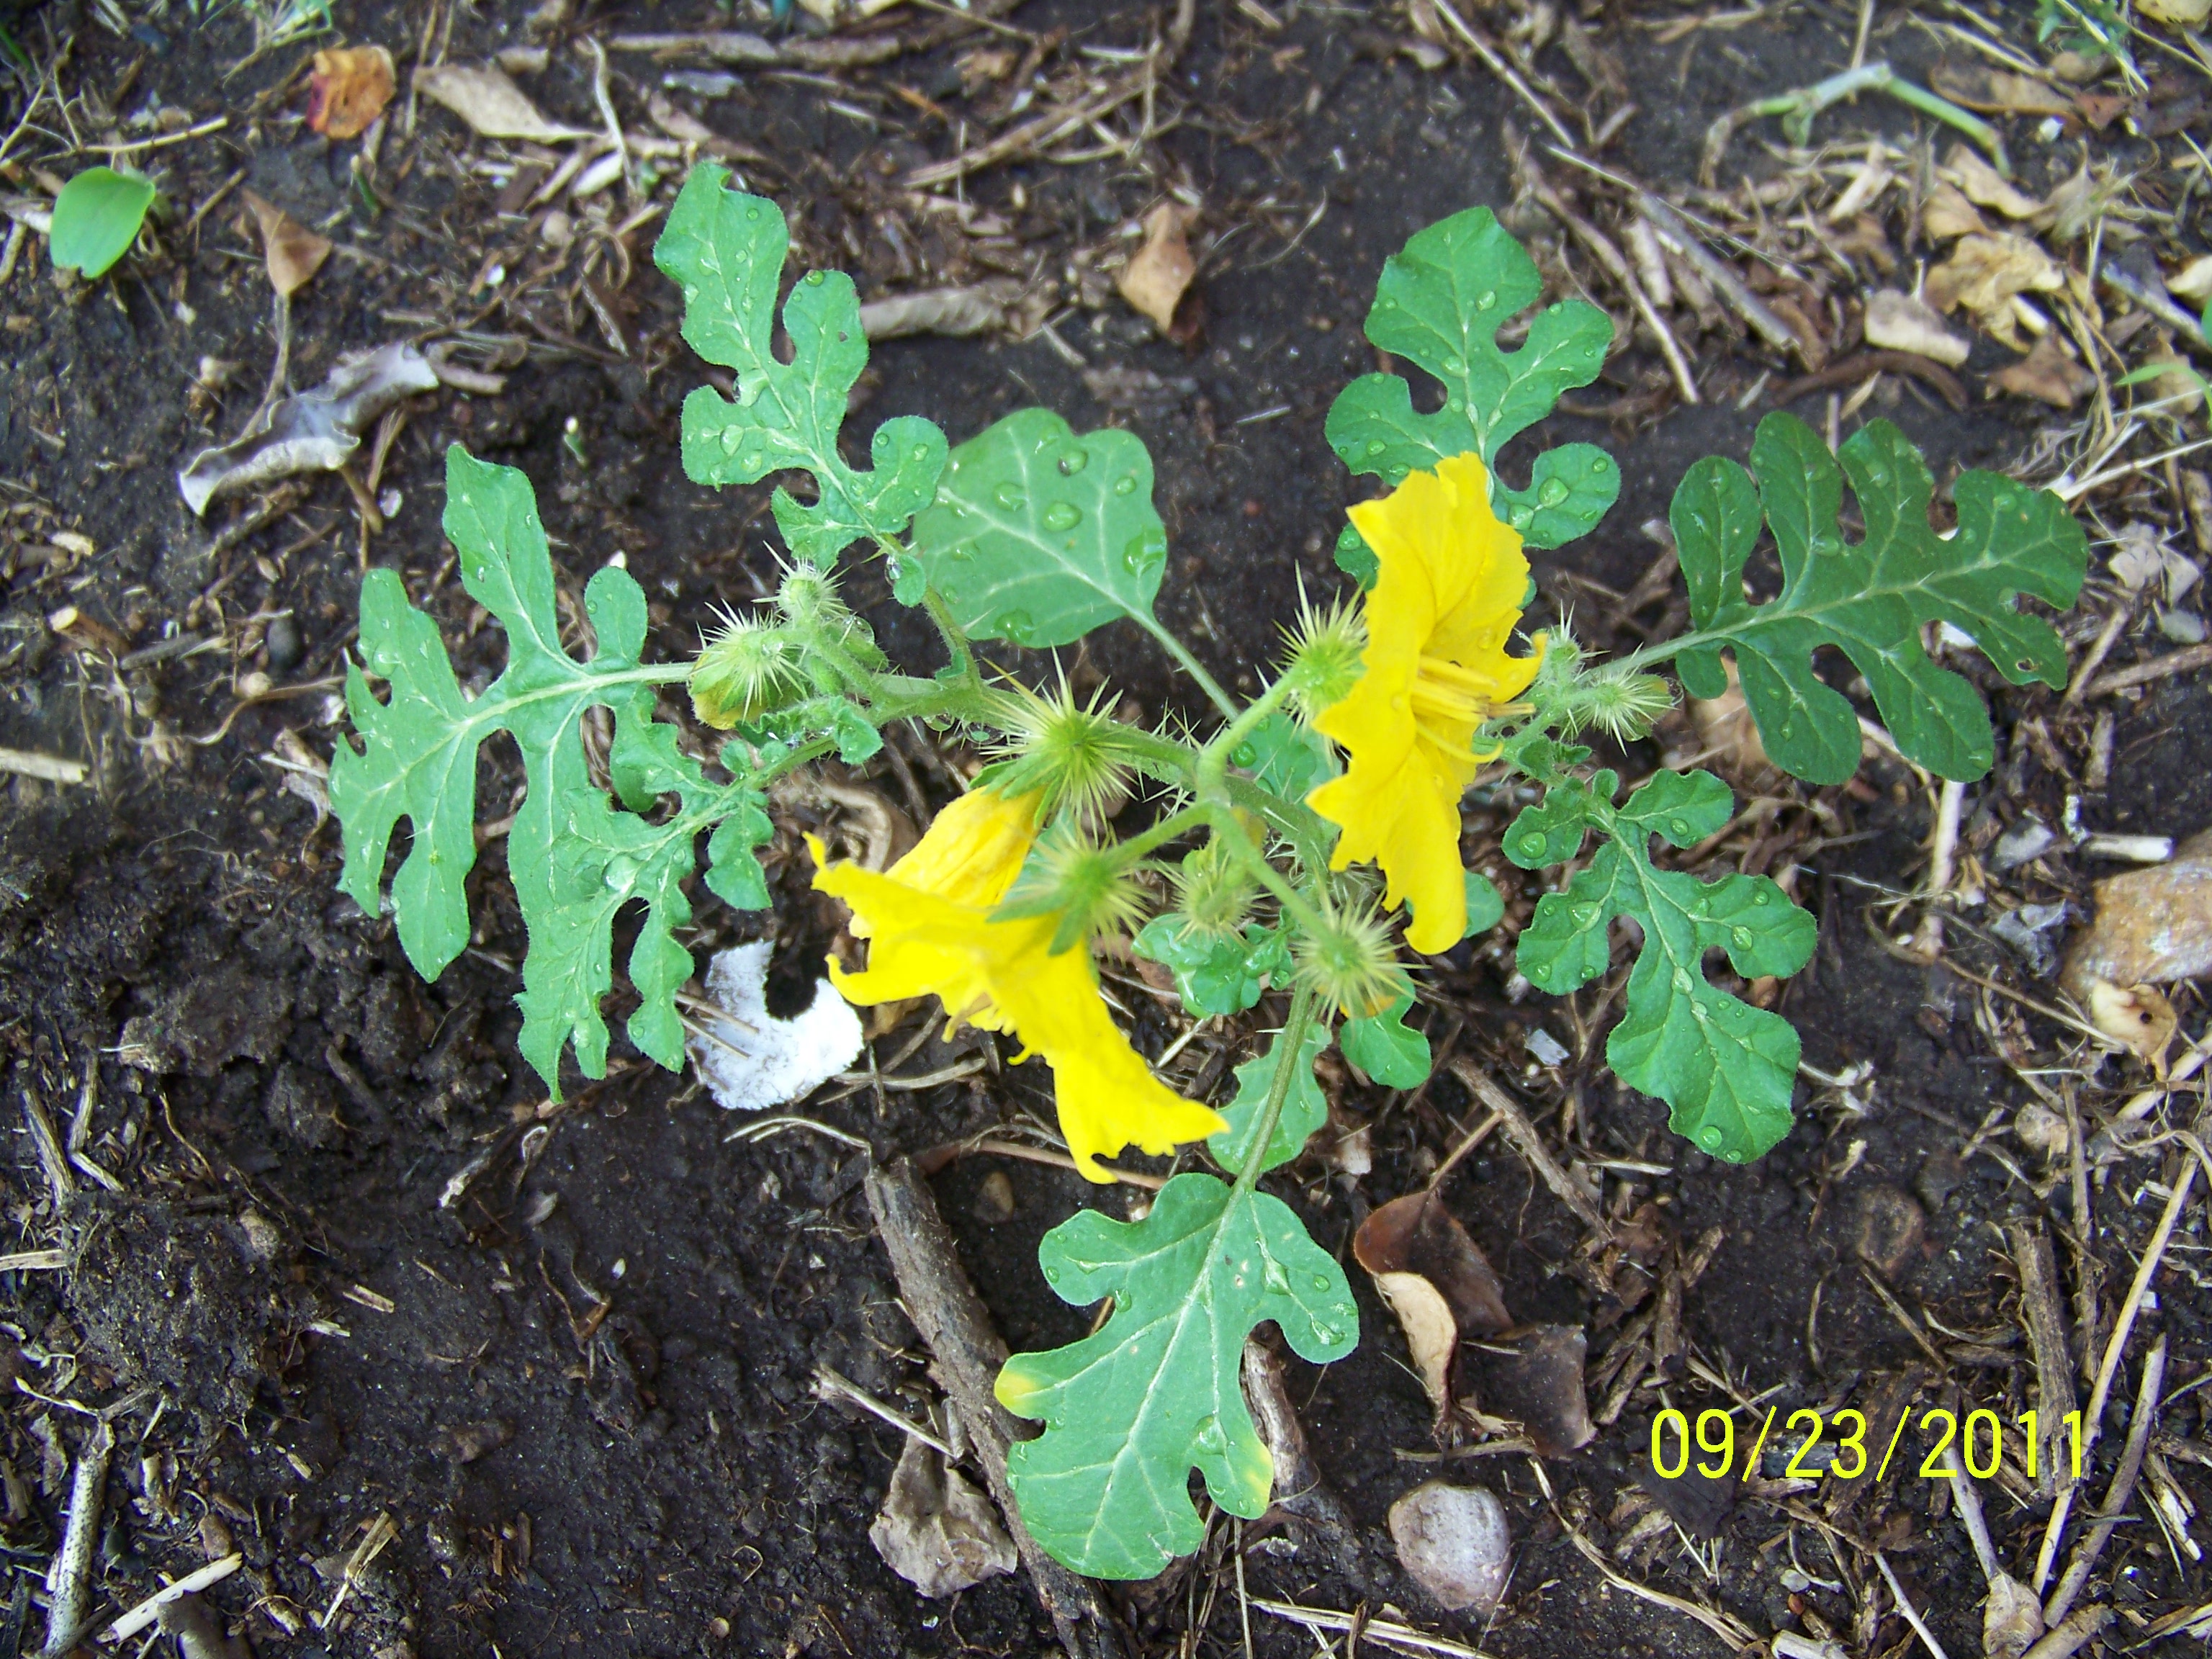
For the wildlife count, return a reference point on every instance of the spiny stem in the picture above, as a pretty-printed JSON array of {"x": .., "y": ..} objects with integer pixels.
[
  {"x": 1213, "y": 759},
  {"x": 1238, "y": 842},
  {"x": 1191, "y": 665},
  {"x": 1288, "y": 1043},
  {"x": 1175, "y": 824},
  {"x": 955, "y": 638}
]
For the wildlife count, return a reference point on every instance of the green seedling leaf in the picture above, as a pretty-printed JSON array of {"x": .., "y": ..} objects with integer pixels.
[
  {"x": 96, "y": 218},
  {"x": 726, "y": 250},
  {"x": 1304, "y": 1107},
  {"x": 1440, "y": 303},
  {"x": 1038, "y": 535},
  {"x": 1287, "y": 758},
  {"x": 1216, "y": 974},
  {"x": 1725, "y": 1068},
  {"x": 1158, "y": 1391},
  {"x": 574, "y": 859},
  {"x": 1485, "y": 905},
  {"x": 1385, "y": 1047},
  {"x": 1871, "y": 597}
]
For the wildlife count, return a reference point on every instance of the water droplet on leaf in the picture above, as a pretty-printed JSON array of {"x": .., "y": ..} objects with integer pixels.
[
  {"x": 1062, "y": 515},
  {"x": 1009, "y": 495},
  {"x": 1072, "y": 461},
  {"x": 1554, "y": 492}
]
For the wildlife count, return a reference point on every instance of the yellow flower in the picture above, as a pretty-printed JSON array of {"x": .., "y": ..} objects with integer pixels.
[
  {"x": 927, "y": 921},
  {"x": 1445, "y": 603}
]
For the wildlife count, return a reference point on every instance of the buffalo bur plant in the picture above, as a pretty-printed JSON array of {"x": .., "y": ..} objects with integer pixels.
[{"x": 1309, "y": 837}]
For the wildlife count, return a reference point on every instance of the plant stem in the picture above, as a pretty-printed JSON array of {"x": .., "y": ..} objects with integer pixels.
[
  {"x": 1288, "y": 1043},
  {"x": 1189, "y": 665},
  {"x": 1213, "y": 759},
  {"x": 1175, "y": 824},
  {"x": 1238, "y": 842},
  {"x": 956, "y": 640}
]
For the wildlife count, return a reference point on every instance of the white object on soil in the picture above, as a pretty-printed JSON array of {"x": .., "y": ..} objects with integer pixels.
[
  {"x": 1455, "y": 1542},
  {"x": 752, "y": 1060}
]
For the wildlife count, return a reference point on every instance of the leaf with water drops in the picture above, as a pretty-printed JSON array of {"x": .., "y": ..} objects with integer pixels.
[
  {"x": 1725, "y": 1068},
  {"x": 726, "y": 252},
  {"x": 1305, "y": 1108},
  {"x": 1871, "y": 599},
  {"x": 1386, "y": 1049},
  {"x": 1157, "y": 1390},
  {"x": 1039, "y": 535},
  {"x": 1216, "y": 973},
  {"x": 1286, "y": 757},
  {"x": 573, "y": 859},
  {"x": 1440, "y": 303}
]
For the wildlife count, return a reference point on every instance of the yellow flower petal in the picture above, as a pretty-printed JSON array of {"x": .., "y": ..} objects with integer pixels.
[
  {"x": 1446, "y": 600},
  {"x": 927, "y": 923}
]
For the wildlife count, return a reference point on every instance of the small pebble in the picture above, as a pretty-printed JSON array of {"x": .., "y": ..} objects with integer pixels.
[
  {"x": 285, "y": 644},
  {"x": 994, "y": 1198},
  {"x": 1455, "y": 1542}
]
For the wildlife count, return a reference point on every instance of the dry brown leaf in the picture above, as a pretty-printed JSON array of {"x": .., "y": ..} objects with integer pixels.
[
  {"x": 2153, "y": 927},
  {"x": 1982, "y": 274},
  {"x": 2193, "y": 281},
  {"x": 1729, "y": 735},
  {"x": 2171, "y": 375},
  {"x": 1984, "y": 186},
  {"x": 2177, "y": 13},
  {"x": 1540, "y": 1385},
  {"x": 350, "y": 87},
  {"x": 1998, "y": 92},
  {"x": 292, "y": 253},
  {"x": 2047, "y": 373},
  {"x": 1154, "y": 280},
  {"x": 492, "y": 105},
  {"x": 1431, "y": 1333},
  {"x": 1437, "y": 1282},
  {"x": 2137, "y": 1016},
  {"x": 1946, "y": 213},
  {"x": 1897, "y": 322}
]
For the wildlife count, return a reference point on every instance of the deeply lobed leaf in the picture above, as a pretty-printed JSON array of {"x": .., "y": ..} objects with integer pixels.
[
  {"x": 574, "y": 859},
  {"x": 1039, "y": 535},
  {"x": 1440, "y": 303},
  {"x": 726, "y": 250},
  {"x": 1158, "y": 1391},
  {"x": 1215, "y": 973},
  {"x": 1305, "y": 1108},
  {"x": 1724, "y": 1068},
  {"x": 1871, "y": 598}
]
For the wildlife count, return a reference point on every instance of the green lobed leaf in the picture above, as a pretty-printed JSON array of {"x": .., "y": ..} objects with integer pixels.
[
  {"x": 1157, "y": 1390},
  {"x": 574, "y": 859},
  {"x": 96, "y": 218},
  {"x": 1485, "y": 905},
  {"x": 726, "y": 250},
  {"x": 1388, "y": 1050},
  {"x": 1214, "y": 973},
  {"x": 1871, "y": 598},
  {"x": 1287, "y": 759},
  {"x": 1305, "y": 1108},
  {"x": 1440, "y": 303},
  {"x": 1039, "y": 535},
  {"x": 1724, "y": 1068}
]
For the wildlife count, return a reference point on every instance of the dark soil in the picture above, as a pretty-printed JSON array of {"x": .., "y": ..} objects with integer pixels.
[{"x": 582, "y": 1388}]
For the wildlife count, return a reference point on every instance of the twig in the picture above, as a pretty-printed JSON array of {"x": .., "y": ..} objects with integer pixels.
[
  {"x": 51, "y": 1158},
  {"x": 938, "y": 1156},
  {"x": 1910, "y": 1613},
  {"x": 1504, "y": 71},
  {"x": 2070, "y": 1638},
  {"x": 1601, "y": 246},
  {"x": 2116, "y": 1495},
  {"x": 1727, "y": 280},
  {"x": 2155, "y": 302},
  {"x": 2045, "y": 1314},
  {"x": 1385, "y": 1631},
  {"x": 1860, "y": 364},
  {"x": 1030, "y": 135},
  {"x": 832, "y": 1385},
  {"x": 150, "y": 1609},
  {"x": 49, "y": 768},
  {"x": 1530, "y": 1145},
  {"x": 1927, "y": 938},
  {"x": 969, "y": 1352},
  {"x": 2092, "y": 1416},
  {"x": 69, "y": 1575},
  {"x": 2187, "y": 660}
]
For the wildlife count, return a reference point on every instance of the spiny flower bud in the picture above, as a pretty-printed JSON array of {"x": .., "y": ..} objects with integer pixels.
[
  {"x": 1213, "y": 891},
  {"x": 1076, "y": 753},
  {"x": 808, "y": 600},
  {"x": 1325, "y": 659},
  {"x": 1351, "y": 961},
  {"x": 745, "y": 669},
  {"x": 1572, "y": 697},
  {"x": 1087, "y": 884}
]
